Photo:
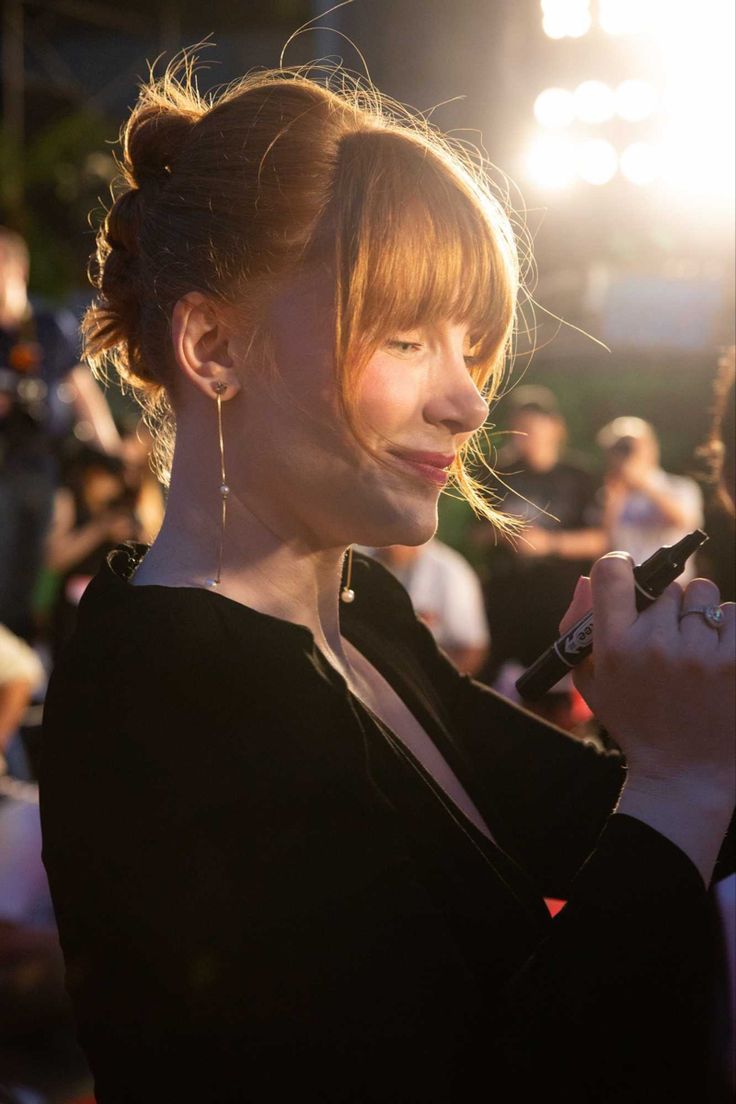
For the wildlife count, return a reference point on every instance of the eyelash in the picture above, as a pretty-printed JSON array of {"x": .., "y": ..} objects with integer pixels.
[
  {"x": 404, "y": 346},
  {"x": 408, "y": 346}
]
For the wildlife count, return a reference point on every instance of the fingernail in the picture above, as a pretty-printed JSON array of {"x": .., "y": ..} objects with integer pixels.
[{"x": 581, "y": 579}]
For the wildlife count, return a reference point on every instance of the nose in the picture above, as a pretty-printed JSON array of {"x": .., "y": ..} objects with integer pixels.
[{"x": 454, "y": 400}]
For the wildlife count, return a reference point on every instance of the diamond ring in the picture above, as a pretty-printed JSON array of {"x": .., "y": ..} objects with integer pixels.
[{"x": 712, "y": 615}]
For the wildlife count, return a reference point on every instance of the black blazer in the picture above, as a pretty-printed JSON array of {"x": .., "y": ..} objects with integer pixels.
[{"x": 262, "y": 896}]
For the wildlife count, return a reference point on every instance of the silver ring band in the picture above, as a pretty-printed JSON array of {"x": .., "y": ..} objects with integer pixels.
[{"x": 712, "y": 615}]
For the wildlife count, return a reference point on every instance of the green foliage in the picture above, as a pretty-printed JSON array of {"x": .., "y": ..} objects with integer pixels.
[{"x": 66, "y": 169}]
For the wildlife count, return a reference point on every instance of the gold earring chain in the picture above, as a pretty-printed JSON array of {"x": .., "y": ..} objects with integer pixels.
[
  {"x": 220, "y": 388},
  {"x": 346, "y": 594}
]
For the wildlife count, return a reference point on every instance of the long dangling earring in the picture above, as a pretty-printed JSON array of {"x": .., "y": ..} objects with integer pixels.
[
  {"x": 220, "y": 389},
  {"x": 346, "y": 594}
]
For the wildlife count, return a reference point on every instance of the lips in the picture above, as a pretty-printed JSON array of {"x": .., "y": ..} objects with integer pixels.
[{"x": 432, "y": 466}]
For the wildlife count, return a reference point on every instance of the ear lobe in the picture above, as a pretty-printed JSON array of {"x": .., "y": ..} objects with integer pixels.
[{"x": 201, "y": 342}]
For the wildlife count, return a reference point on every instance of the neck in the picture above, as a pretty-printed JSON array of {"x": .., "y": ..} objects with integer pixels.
[{"x": 276, "y": 572}]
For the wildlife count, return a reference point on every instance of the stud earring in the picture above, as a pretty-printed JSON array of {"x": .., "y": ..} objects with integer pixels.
[
  {"x": 220, "y": 389},
  {"x": 346, "y": 594}
]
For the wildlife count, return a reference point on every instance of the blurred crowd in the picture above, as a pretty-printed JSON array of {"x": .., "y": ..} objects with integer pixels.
[
  {"x": 74, "y": 483},
  {"x": 496, "y": 620}
]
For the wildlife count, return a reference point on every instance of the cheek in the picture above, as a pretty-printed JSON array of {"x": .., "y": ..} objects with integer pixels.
[
  {"x": 388, "y": 398},
  {"x": 302, "y": 340}
]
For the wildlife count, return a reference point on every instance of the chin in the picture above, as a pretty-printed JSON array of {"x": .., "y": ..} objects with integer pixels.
[{"x": 409, "y": 524}]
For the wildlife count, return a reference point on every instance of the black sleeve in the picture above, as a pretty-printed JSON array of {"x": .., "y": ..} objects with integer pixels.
[
  {"x": 618, "y": 1002},
  {"x": 552, "y": 794}
]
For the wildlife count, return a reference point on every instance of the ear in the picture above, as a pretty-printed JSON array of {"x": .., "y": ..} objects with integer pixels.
[{"x": 203, "y": 345}]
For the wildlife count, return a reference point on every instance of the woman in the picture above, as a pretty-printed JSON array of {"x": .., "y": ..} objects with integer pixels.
[{"x": 294, "y": 854}]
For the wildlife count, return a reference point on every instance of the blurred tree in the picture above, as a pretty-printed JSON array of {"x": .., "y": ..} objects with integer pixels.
[
  {"x": 66, "y": 171},
  {"x": 69, "y": 70}
]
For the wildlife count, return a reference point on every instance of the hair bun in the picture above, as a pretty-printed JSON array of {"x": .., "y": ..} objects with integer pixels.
[
  {"x": 123, "y": 222},
  {"x": 153, "y": 144}
]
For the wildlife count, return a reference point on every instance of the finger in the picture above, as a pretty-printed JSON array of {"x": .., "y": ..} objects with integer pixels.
[
  {"x": 580, "y": 603},
  {"x": 700, "y": 592},
  {"x": 662, "y": 615},
  {"x": 727, "y": 632},
  {"x": 614, "y": 606},
  {"x": 695, "y": 630},
  {"x": 584, "y": 678}
]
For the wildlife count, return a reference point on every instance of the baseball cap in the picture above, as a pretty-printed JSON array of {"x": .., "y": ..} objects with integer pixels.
[
  {"x": 533, "y": 398},
  {"x": 625, "y": 428}
]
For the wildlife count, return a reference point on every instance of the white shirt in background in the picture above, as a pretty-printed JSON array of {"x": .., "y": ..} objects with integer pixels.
[
  {"x": 446, "y": 595},
  {"x": 640, "y": 528}
]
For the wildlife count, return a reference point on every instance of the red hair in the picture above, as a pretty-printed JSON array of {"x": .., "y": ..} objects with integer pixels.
[{"x": 232, "y": 195}]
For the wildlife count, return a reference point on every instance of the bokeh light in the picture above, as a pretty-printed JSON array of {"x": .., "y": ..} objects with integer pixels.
[
  {"x": 667, "y": 113},
  {"x": 639, "y": 163},
  {"x": 555, "y": 108},
  {"x": 635, "y": 100},
  {"x": 552, "y": 162},
  {"x": 597, "y": 161},
  {"x": 594, "y": 101},
  {"x": 700, "y": 119},
  {"x": 566, "y": 18},
  {"x": 620, "y": 17}
]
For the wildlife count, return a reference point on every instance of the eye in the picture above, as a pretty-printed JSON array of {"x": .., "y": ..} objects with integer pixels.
[
  {"x": 470, "y": 359},
  {"x": 404, "y": 348}
]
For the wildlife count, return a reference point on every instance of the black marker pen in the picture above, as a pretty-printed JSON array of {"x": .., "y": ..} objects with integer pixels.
[{"x": 651, "y": 578}]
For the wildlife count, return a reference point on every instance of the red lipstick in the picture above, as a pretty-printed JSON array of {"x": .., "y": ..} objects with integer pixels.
[{"x": 430, "y": 465}]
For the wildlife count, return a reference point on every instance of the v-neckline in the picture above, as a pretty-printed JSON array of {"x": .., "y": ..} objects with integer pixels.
[
  {"x": 490, "y": 852},
  {"x": 414, "y": 750},
  {"x": 359, "y": 635}
]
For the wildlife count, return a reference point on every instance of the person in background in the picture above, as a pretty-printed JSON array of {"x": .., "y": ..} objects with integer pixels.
[
  {"x": 24, "y": 894},
  {"x": 21, "y": 672},
  {"x": 97, "y": 508},
  {"x": 44, "y": 390},
  {"x": 645, "y": 507},
  {"x": 140, "y": 479},
  {"x": 714, "y": 469},
  {"x": 446, "y": 595},
  {"x": 526, "y": 583},
  {"x": 39, "y": 1060}
]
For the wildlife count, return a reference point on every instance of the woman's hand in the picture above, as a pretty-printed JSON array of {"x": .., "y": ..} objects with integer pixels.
[{"x": 662, "y": 685}]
